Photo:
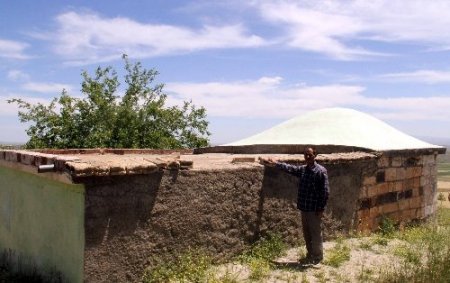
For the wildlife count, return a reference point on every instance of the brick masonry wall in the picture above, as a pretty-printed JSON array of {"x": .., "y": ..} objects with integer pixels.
[{"x": 402, "y": 188}]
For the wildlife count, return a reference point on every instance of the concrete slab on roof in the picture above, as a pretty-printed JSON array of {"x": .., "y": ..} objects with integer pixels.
[{"x": 337, "y": 126}]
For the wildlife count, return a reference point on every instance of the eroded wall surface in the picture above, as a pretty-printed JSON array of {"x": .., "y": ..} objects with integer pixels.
[
  {"x": 42, "y": 223},
  {"x": 137, "y": 221}
]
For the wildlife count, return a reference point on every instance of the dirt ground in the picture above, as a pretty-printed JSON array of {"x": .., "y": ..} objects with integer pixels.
[{"x": 366, "y": 260}]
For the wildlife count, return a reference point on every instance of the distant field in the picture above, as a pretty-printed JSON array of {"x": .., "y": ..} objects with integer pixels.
[{"x": 444, "y": 172}]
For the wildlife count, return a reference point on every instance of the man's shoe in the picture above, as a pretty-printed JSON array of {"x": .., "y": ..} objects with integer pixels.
[
  {"x": 315, "y": 261},
  {"x": 305, "y": 260},
  {"x": 308, "y": 260}
]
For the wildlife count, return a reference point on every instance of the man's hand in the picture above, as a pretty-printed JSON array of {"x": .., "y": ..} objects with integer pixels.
[{"x": 268, "y": 161}]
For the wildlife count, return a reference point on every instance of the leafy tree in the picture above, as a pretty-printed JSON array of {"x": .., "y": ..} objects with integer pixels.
[{"x": 138, "y": 119}]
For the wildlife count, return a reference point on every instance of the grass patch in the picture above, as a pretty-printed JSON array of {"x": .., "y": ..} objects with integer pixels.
[
  {"x": 259, "y": 257},
  {"x": 426, "y": 257},
  {"x": 338, "y": 255},
  {"x": 366, "y": 245},
  {"x": 386, "y": 226},
  {"x": 192, "y": 266},
  {"x": 267, "y": 248},
  {"x": 366, "y": 275}
]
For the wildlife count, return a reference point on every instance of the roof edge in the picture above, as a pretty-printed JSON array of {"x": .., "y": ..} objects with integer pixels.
[{"x": 299, "y": 148}]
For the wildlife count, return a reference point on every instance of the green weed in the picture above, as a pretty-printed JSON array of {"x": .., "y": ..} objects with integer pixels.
[
  {"x": 259, "y": 257},
  {"x": 386, "y": 226},
  {"x": 191, "y": 266},
  {"x": 427, "y": 257},
  {"x": 259, "y": 268},
  {"x": 267, "y": 248},
  {"x": 338, "y": 255}
]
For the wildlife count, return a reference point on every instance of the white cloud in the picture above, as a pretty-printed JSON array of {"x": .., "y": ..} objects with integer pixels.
[
  {"x": 422, "y": 76},
  {"x": 8, "y": 109},
  {"x": 46, "y": 87},
  {"x": 13, "y": 49},
  {"x": 264, "y": 98},
  {"x": 338, "y": 28},
  {"x": 88, "y": 37},
  {"x": 17, "y": 75}
]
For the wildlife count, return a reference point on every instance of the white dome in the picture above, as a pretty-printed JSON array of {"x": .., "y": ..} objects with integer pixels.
[{"x": 336, "y": 126}]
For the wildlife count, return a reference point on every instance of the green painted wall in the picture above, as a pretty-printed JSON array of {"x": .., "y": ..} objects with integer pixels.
[{"x": 42, "y": 221}]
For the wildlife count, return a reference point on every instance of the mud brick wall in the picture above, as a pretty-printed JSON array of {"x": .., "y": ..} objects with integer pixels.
[
  {"x": 132, "y": 222},
  {"x": 402, "y": 188}
]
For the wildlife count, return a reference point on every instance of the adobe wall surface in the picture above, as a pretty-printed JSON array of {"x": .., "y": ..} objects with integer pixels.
[
  {"x": 41, "y": 223},
  {"x": 136, "y": 221}
]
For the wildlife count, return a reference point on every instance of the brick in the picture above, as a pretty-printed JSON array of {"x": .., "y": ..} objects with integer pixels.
[
  {"x": 420, "y": 160},
  {"x": 420, "y": 213},
  {"x": 374, "y": 212},
  {"x": 365, "y": 226},
  {"x": 416, "y": 182},
  {"x": 400, "y": 174},
  {"x": 417, "y": 202},
  {"x": 383, "y": 162},
  {"x": 415, "y": 192},
  {"x": 397, "y": 161},
  {"x": 423, "y": 180},
  {"x": 363, "y": 193},
  {"x": 28, "y": 159},
  {"x": 243, "y": 159},
  {"x": 363, "y": 213},
  {"x": 407, "y": 214},
  {"x": 383, "y": 188},
  {"x": 417, "y": 171},
  {"x": 403, "y": 204},
  {"x": 409, "y": 173},
  {"x": 399, "y": 186},
  {"x": 389, "y": 207},
  {"x": 429, "y": 159},
  {"x": 392, "y": 186},
  {"x": 369, "y": 181},
  {"x": 390, "y": 174},
  {"x": 409, "y": 183},
  {"x": 11, "y": 156},
  {"x": 372, "y": 191}
]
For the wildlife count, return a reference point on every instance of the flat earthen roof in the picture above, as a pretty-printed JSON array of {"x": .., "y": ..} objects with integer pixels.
[{"x": 100, "y": 162}]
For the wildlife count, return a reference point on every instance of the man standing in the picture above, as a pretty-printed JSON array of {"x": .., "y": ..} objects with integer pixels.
[{"x": 312, "y": 198}]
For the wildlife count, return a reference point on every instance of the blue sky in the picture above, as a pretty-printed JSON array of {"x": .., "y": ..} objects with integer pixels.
[{"x": 252, "y": 64}]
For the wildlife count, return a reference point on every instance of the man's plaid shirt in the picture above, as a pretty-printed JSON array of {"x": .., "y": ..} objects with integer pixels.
[{"x": 313, "y": 187}]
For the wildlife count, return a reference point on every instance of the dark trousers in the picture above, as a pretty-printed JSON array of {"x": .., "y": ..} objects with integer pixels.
[{"x": 312, "y": 233}]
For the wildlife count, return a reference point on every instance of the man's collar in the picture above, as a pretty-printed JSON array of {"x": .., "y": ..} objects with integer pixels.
[{"x": 312, "y": 166}]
